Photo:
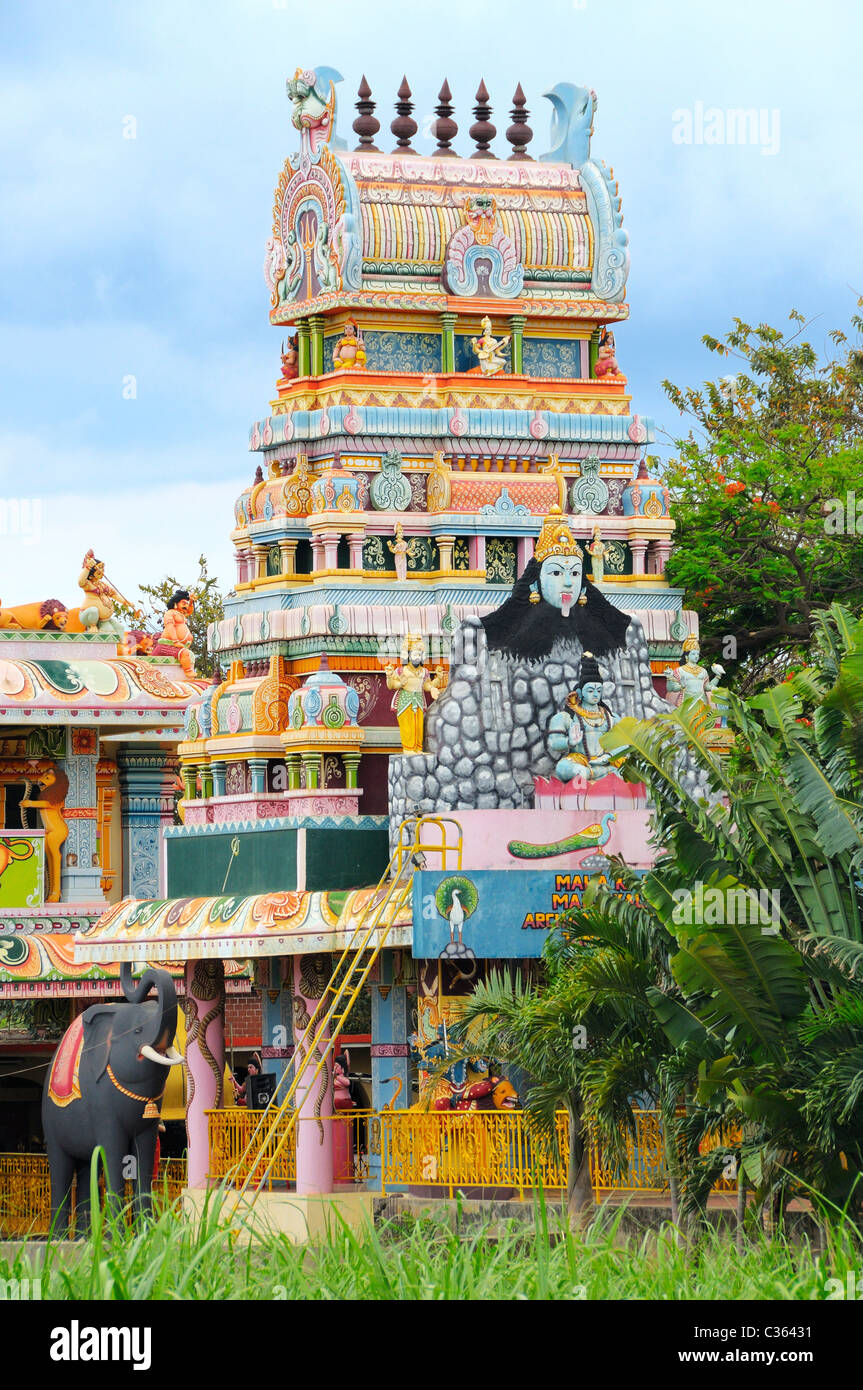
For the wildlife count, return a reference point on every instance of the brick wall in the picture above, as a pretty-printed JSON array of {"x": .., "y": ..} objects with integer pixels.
[{"x": 243, "y": 1013}]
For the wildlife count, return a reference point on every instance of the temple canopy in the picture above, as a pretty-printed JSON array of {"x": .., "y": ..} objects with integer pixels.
[
  {"x": 46, "y": 967},
  {"x": 266, "y": 924}
]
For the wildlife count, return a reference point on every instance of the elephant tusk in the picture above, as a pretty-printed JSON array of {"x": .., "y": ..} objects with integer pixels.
[{"x": 171, "y": 1058}]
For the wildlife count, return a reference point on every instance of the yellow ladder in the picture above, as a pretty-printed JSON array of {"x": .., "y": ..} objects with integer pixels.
[{"x": 368, "y": 938}]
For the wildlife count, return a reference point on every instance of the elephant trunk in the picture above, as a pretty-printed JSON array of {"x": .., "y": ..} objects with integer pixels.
[{"x": 166, "y": 1014}]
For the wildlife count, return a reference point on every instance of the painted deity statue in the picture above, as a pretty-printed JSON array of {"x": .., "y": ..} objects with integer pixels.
[
  {"x": 349, "y": 351},
  {"x": 290, "y": 359},
  {"x": 693, "y": 679},
  {"x": 412, "y": 681},
  {"x": 574, "y": 733},
  {"x": 606, "y": 362},
  {"x": 401, "y": 550},
  {"x": 597, "y": 552},
  {"x": 490, "y": 350},
  {"x": 54, "y": 786},
  {"x": 175, "y": 638},
  {"x": 97, "y": 612}
]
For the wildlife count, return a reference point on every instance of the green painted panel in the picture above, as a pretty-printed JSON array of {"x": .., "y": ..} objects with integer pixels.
[
  {"x": 341, "y": 859},
  {"x": 266, "y": 862}
]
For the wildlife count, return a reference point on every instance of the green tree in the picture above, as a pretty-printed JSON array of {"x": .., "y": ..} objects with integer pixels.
[
  {"x": 760, "y": 545},
  {"x": 209, "y": 608}
]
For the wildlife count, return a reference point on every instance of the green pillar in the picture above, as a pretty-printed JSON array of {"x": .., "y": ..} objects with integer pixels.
[
  {"x": 292, "y": 761},
  {"x": 206, "y": 781},
  {"x": 516, "y": 324},
  {"x": 351, "y": 762},
  {"x": 303, "y": 358},
  {"x": 447, "y": 342},
  {"x": 312, "y": 764},
  {"x": 316, "y": 324},
  {"x": 593, "y": 351},
  {"x": 190, "y": 781}
]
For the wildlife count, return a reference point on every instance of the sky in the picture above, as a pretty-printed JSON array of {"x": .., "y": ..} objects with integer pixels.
[{"x": 139, "y": 147}]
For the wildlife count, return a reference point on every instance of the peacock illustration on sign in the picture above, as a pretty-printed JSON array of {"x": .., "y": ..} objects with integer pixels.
[
  {"x": 590, "y": 837},
  {"x": 456, "y": 899}
]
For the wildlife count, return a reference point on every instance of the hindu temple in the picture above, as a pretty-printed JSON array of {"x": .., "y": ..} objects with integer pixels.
[{"x": 450, "y": 584}]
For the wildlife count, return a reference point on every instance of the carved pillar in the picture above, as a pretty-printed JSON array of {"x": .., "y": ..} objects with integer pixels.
[
  {"x": 204, "y": 1008},
  {"x": 277, "y": 1047},
  {"x": 356, "y": 540},
  {"x": 662, "y": 553},
  {"x": 147, "y": 780},
  {"x": 206, "y": 781},
  {"x": 390, "y": 1059},
  {"x": 260, "y": 553},
  {"x": 318, "y": 561},
  {"x": 476, "y": 551},
  {"x": 292, "y": 763},
  {"x": 80, "y": 873},
  {"x": 105, "y": 796},
  {"x": 447, "y": 343},
  {"x": 219, "y": 771},
  {"x": 638, "y": 546},
  {"x": 516, "y": 325},
  {"x": 316, "y": 325},
  {"x": 593, "y": 351},
  {"x": 314, "y": 1098},
  {"x": 258, "y": 769},
  {"x": 330, "y": 545},
  {"x": 303, "y": 349},
  {"x": 352, "y": 763},
  {"x": 524, "y": 551},
  {"x": 288, "y": 552},
  {"x": 190, "y": 781},
  {"x": 444, "y": 550}
]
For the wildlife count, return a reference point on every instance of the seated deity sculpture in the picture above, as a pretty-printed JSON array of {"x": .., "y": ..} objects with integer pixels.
[
  {"x": 349, "y": 351},
  {"x": 490, "y": 350},
  {"x": 574, "y": 733},
  {"x": 606, "y": 362}
]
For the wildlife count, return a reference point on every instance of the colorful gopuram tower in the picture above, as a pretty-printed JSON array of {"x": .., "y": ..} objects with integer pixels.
[{"x": 449, "y": 584}]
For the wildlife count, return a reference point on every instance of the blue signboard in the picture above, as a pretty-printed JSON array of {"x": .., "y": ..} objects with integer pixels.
[{"x": 493, "y": 913}]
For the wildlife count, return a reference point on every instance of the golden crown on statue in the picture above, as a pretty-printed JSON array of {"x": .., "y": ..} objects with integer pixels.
[{"x": 556, "y": 538}]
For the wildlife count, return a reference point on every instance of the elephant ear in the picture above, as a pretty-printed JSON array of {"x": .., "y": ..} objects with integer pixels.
[{"x": 98, "y": 1041}]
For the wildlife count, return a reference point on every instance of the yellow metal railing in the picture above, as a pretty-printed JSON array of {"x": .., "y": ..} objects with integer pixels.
[
  {"x": 271, "y": 1134},
  {"x": 455, "y": 1150},
  {"x": 25, "y": 1191}
]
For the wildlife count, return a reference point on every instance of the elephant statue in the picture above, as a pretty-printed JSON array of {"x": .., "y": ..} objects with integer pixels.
[{"x": 105, "y": 1087}]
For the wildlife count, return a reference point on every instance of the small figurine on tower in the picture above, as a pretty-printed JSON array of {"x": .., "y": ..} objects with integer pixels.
[
  {"x": 412, "y": 681},
  {"x": 175, "y": 639}
]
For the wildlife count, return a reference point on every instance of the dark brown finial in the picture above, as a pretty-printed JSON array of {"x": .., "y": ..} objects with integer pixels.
[
  {"x": 482, "y": 131},
  {"x": 444, "y": 129},
  {"x": 366, "y": 125},
  {"x": 404, "y": 127},
  {"x": 259, "y": 474},
  {"x": 519, "y": 133}
]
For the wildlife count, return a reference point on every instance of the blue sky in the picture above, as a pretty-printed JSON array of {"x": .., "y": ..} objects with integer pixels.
[{"x": 143, "y": 257}]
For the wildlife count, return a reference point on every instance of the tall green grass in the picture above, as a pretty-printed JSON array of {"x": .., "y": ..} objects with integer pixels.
[{"x": 212, "y": 1257}]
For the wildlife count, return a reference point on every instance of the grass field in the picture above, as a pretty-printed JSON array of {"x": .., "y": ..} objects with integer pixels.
[{"x": 412, "y": 1258}]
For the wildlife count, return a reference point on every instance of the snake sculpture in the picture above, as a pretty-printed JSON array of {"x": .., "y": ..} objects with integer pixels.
[
  {"x": 591, "y": 837},
  {"x": 208, "y": 982},
  {"x": 313, "y": 979}
]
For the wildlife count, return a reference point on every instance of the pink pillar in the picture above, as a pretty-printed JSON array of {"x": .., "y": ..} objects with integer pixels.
[
  {"x": 314, "y": 1102},
  {"x": 524, "y": 552},
  {"x": 476, "y": 552},
  {"x": 663, "y": 552},
  {"x": 330, "y": 541},
  {"x": 355, "y": 543},
  {"x": 318, "y": 561},
  {"x": 638, "y": 546},
  {"x": 204, "y": 1007}
]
